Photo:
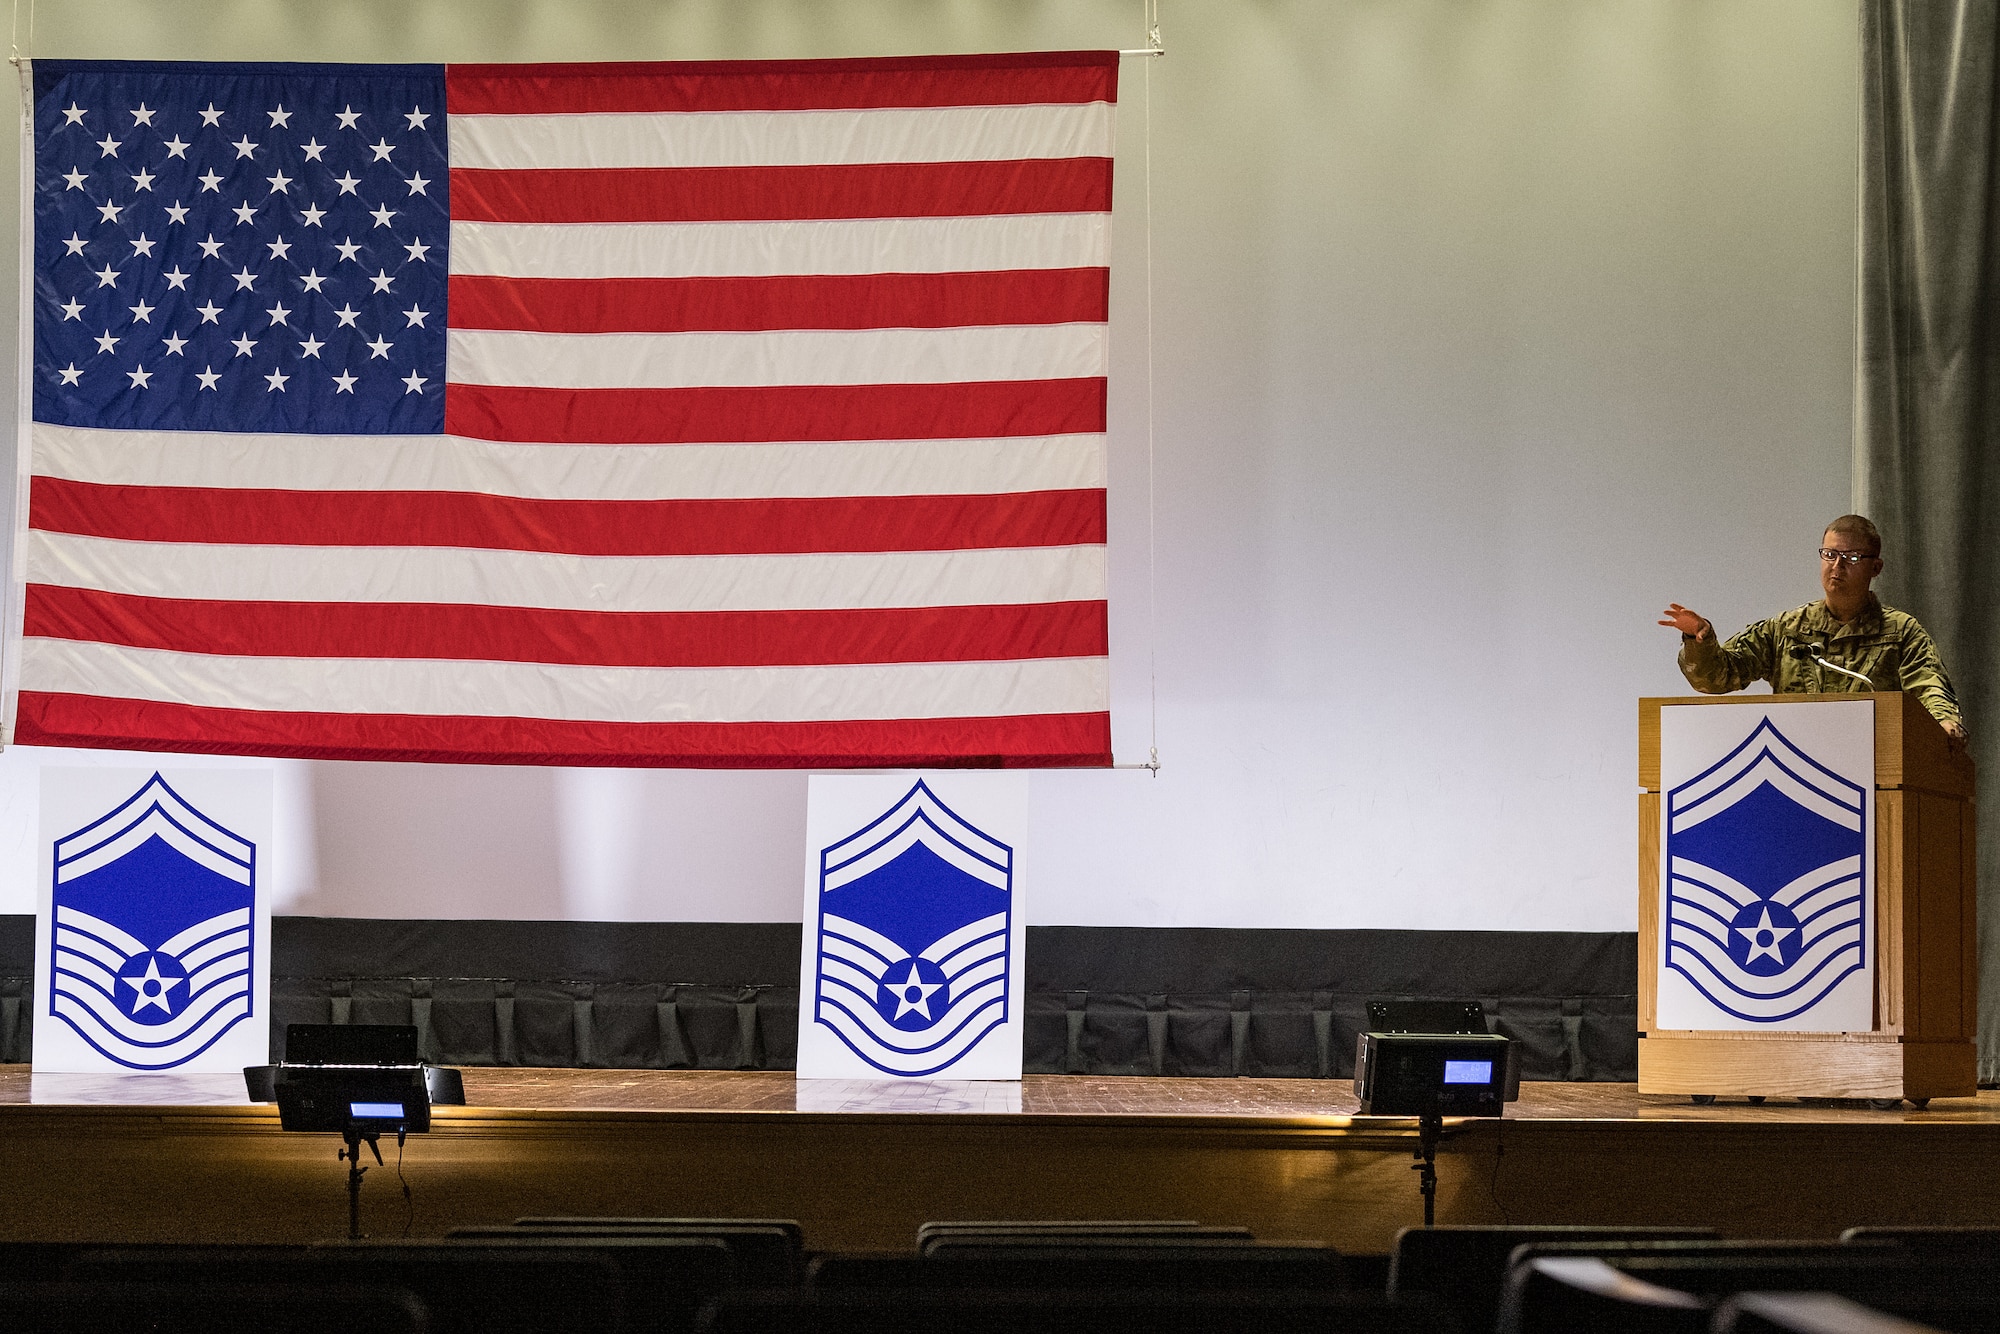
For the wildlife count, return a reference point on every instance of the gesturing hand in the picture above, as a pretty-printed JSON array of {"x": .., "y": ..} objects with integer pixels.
[{"x": 1680, "y": 618}]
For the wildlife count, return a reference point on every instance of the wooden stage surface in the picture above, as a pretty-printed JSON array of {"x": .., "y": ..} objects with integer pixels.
[{"x": 861, "y": 1165}]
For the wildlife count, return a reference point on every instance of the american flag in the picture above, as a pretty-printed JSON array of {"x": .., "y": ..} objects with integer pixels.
[{"x": 684, "y": 414}]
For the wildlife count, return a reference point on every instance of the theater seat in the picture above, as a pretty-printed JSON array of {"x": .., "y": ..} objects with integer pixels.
[
  {"x": 1112, "y": 1264},
  {"x": 763, "y": 1254},
  {"x": 1808, "y": 1313},
  {"x": 1465, "y": 1266},
  {"x": 929, "y": 1311},
  {"x": 1657, "y": 1293},
  {"x": 199, "y": 1307}
]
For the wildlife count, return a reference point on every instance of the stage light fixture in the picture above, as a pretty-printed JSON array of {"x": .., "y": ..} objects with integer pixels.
[
  {"x": 359, "y": 1081},
  {"x": 1434, "y": 1074},
  {"x": 1460, "y": 1071}
]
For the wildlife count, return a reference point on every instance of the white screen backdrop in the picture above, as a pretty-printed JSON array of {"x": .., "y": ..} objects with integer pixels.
[{"x": 1481, "y": 332}]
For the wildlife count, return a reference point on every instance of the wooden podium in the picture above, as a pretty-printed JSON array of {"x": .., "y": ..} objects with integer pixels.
[{"x": 1926, "y": 964}]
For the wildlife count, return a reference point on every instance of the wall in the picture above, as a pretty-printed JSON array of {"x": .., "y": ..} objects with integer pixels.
[{"x": 1481, "y": 331}]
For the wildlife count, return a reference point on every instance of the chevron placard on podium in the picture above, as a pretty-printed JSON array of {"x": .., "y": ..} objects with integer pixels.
[{"x": 1806, "y": 899}]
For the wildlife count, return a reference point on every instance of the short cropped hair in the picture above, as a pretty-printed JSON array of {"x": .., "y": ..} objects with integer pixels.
[{"x": 1854, "y": 525}]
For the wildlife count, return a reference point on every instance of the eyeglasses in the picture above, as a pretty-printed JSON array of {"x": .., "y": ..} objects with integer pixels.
[{"x": 1851, "y": 557}]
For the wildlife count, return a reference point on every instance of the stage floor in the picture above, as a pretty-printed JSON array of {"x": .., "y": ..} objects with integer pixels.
[
  {"x": 862, "y": 1165},
  {"x": 737, "y": 1091}
]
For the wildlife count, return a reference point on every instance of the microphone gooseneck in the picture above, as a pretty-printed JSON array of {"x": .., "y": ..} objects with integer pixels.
[{"x": 1811, "y": 651}]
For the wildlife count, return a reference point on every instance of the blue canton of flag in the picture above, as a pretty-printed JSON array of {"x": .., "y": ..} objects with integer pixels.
[
  {"x": 261, "y": 249},
  {"x": 1764, "y": 892},
  {"x": 914, "y": 931},
  {"x": 154, "y": 907}
]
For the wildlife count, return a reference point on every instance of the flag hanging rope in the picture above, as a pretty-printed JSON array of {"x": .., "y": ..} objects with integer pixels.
[{"x": 1154, "y": 47}]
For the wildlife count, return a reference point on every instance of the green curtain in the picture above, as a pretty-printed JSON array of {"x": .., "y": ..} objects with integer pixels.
[{"x": 1927, "y": 375}]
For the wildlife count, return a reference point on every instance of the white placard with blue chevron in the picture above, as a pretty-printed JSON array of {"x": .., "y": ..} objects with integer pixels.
[
  {"x": 153, "y": 935},
  {"x": 1767, "y": 867},
  {"x": 912, "y": 952}
]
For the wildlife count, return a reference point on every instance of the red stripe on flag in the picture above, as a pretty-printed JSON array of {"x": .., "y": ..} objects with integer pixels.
[
  {"x": 1030, "y": 741},
  {"x": 746, "y": 194},
  {"x": 965, "y": 411},
  {"x": 765, "y": 525},
  {"x": 574, "y": 638},
  {"x": 835, "y": 301},
  {"x": 782, "y": 85}
]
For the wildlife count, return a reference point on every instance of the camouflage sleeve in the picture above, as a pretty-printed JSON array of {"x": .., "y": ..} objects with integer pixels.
[
  {"x": 1718, "y": 669},
  {"x": 1923, "y": 675}
]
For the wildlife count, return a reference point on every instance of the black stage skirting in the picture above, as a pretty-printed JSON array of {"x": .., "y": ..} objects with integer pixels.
[{"x": 1189, "y": 1001}]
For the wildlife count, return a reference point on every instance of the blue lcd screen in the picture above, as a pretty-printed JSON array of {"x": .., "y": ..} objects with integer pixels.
[
  {"x": 1468, "y": 1072},
  {"x": 393, "y": 1111}
]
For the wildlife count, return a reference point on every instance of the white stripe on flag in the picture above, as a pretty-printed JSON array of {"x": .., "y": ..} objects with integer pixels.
[
  {"x": 814, "y": 580},
  {"x": 782, "y": 138},
  {"x": 569, "y": 472},
  {"x": 575, "y": 694},
  {"x": 771, "y": 249},
  {"x": 777, "y": 357}
]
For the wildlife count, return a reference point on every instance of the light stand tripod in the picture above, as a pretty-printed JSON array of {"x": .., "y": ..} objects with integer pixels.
[
  {"x": 351, "y": 1155},
  {"x": 359, "y": 1081},
  {"x": 1430, "y": 1129}
]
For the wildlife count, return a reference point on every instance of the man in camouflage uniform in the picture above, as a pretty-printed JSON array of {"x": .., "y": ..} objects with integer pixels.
[{"x": 1849, "y": 627}]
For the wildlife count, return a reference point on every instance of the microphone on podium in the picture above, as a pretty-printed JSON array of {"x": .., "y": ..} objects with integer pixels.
[{"x": 1811, "y": 651}]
